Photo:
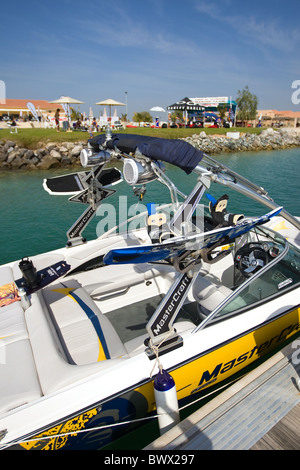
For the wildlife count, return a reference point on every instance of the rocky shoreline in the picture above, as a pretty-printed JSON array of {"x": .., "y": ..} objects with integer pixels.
[
  {"x": 52, "y": 155},
  {"x": 66, "y": 155},
  {"x": 267, "y": 140}
]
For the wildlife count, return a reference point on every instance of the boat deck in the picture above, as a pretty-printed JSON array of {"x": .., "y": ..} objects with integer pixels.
[{"x": 260, "y": 411}]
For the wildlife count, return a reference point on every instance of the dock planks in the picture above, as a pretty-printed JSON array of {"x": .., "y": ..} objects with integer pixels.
[
  {"x": 285, "y": 435},
  {"x": 261, "y": 411}
]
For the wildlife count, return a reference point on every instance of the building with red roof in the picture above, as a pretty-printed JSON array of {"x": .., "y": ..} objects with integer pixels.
[{"x": 18, "y": 108}]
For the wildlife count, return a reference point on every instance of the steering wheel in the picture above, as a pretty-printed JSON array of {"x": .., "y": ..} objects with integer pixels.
[{"x": 250, "y": 258}]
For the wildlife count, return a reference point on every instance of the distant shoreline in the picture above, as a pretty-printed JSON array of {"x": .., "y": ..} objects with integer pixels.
[
  {"x": 66, "y": 154},
  {"x": 267, "y": 140}
]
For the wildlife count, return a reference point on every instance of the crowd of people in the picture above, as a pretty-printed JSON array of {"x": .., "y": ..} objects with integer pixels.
[
  {"x": 82, "y": 124},
  {"x": 178, "y": 121},
  {"x": 91, "y": 125},
  {"x": 59, "y": 122}
]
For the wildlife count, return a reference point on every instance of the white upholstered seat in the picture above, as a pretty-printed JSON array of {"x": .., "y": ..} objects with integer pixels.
[
  {"x": 85, "y": 334},
  {"x": 19, "y": 383},
  {"x": 208, "y": 295}
]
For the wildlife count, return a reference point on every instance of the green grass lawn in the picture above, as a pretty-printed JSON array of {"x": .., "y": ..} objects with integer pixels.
[{"x": 34, "y": 138}]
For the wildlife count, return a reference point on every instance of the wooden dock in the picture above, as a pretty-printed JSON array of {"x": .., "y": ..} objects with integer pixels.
[
  {"x": 261, "y": 411},
  {"x": 285, "y": 435}
]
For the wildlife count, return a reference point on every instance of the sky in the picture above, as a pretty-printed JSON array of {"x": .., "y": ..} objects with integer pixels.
[{"x": 150, "y": 52}]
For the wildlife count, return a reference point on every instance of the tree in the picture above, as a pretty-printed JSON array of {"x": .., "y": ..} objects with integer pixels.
[
  {"x": 222, "y": 111},
  {"x": 247, "y": 105},
  {"x": 143, "y": 116},
  {"x": 75, "y": 114}
]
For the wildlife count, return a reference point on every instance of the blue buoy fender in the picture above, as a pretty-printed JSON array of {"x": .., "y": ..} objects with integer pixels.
[
  {"x": 166, "y": 401},
  {"x": 163, "y": 381}
]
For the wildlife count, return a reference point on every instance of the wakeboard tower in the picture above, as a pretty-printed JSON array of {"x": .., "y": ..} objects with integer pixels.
[
  {"x": 75, "y": 183},
  {"x": 88, "y": 187},
  {"x": 173, "y": 242}
]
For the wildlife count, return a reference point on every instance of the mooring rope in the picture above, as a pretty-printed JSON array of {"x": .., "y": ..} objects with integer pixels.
[
  {"x": 155, "y": 350},
  {"x": 98, "y": 428}
]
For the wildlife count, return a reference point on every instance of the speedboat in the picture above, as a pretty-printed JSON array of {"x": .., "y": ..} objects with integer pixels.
[{"x": 185, "y": 287}]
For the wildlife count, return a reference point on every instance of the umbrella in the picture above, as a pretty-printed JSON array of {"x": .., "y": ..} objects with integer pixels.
[
  {"x": 158, "y": 109},
  {"x": 109, "y": 102},
  {"x": 66, "y": 100}
]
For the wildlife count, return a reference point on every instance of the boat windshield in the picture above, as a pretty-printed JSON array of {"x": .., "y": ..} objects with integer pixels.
[{"x": 274, "y": 279}]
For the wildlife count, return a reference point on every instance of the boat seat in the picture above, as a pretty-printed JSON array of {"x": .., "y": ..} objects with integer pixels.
[
  {"x": 126, "y": 276},
  {"x": 85, "y": 335},
  {"x": 208, "y": 295},
  {"x": 19, "y": 383},
  {"x": 6, "y": 275}
]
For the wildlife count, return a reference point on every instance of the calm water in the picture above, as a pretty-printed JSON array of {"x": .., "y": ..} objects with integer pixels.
[{"x": 33, "y": 222}]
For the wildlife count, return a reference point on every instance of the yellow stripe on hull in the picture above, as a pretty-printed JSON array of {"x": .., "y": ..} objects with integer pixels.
[
  {"x": 229, "y": 358},
  {"x": 194, "y": 376}
]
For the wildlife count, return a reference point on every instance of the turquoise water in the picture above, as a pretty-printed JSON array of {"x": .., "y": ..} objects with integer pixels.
[{"x": 33, "y": 222}]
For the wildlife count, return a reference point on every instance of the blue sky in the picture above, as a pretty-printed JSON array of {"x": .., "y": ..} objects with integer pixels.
[{"x": 159, "y": 51}]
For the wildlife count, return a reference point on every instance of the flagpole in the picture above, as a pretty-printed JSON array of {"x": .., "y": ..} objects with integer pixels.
[{"x": 126, "y": 106}]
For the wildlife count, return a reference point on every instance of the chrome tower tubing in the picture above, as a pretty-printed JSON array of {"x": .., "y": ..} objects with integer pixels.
[{"x": 248, "y": 189}]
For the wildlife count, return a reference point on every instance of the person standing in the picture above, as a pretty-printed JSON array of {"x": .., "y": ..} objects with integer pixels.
[{"x": 57, "y": 119}]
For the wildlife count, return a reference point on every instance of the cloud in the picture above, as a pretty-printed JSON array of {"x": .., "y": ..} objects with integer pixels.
[
  {"x": 269, "y": 34},
  {"x": 260, "y": 33},
  {"x": 121, "y": 30}
]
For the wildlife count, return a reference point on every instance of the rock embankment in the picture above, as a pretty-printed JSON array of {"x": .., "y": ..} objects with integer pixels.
[
  {"x": 266, "y": 140},
  {"x": 54, "y": 155}
]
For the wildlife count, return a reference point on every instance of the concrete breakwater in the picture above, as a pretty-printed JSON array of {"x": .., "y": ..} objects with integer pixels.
[{"x": 54, "y": 155}]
